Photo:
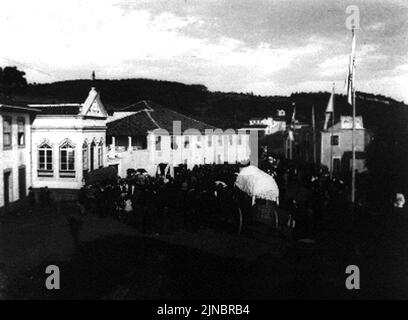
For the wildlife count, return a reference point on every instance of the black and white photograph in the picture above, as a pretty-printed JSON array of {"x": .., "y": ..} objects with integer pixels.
[{"x": 183, "y": 151}]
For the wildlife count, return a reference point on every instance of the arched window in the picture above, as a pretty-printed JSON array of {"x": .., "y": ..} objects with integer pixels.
[
  {"x": 45, "y": 168},
  {"x": 67, "y": 159},
  {"x": 100, "y": 154},
  {"x": 85, "y": 156}
]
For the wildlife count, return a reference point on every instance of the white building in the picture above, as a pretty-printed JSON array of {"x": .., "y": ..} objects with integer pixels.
[
  {"x": 336, "y": 145},
  {"x": 145, "y": 135},
  {"x": 15, "y": 153},
  {"x": 68, "y": 140},
  {"x": 268, "y": 125}
]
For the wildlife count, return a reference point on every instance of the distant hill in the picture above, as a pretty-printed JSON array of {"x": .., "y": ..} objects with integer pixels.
[{"x": 222, "y": 109}]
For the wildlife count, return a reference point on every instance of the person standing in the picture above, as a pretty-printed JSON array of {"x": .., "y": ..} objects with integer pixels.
[{"x": 31, "y": 198}]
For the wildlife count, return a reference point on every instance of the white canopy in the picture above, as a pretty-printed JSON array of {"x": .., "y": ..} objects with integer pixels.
[{"x": 257, "y": 183}]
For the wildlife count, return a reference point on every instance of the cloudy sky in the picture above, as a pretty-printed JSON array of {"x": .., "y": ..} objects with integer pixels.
[{"x": 263, "y": 46}]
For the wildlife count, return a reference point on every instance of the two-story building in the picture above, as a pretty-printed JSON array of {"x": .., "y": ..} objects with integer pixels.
[
  {"x": 336, "y": 145},
  {"x": 15, "y": 153}
]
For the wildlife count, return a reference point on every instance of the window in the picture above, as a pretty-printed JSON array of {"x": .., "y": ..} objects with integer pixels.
[
  {"x": 186, "y": 142},
  {"x": 6, "y": 132},
  {"x": 85, "y": 157},
  {"x": 100, "y": 154},
  {"x": 45, "y": 160},
  {"x": 220, "y": 140},
  {"x": 21, "y": 132},
  {"x": 209, "y": 137},
  {"x": 158, "y": 143},
  {"x": 335, "y": 140},
  {"x": 239, "y": 139},
  {"x": 67, "y": 160},
  {"x": 230, "y": 139},
  {"x": 173, "y": 142}
]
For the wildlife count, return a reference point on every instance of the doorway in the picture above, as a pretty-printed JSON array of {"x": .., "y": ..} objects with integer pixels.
[
  {"x": 92, "y": 155},
  {"x": 336, "y": 165},
  {"x": 7, "y": 188},
  {"x": 22, "y": 192}
]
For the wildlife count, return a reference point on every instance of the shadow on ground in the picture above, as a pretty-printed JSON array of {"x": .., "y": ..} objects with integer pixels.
[{"x": 134, "y": 267}]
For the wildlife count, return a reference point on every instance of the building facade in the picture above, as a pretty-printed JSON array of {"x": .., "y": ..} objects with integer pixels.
[
  {"x": 68, "y": 141},
  {"x": 336, "y": 145},
  {"x": 15, "y": 154},
  {"x": 145, "y": 135},
  {"x": 268, "y": 125}
]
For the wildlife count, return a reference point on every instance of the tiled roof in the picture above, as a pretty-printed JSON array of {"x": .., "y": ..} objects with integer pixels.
[
  {"x": 70, "y": 108},
  {"x": 149, "y": 116}
]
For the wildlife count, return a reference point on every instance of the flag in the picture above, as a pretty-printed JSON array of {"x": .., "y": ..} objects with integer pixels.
[
  {"x": 351, "y": 71},
  {"x": 291, "y": 132},
  {"x": 291, "y": 135},
  {"x": 329, "y": 109},
  {"x": 293, "y": 115},
  {"x": 313, "y": 118}
]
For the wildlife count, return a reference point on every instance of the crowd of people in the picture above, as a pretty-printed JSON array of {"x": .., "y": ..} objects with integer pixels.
[
  {"x": 316, "y": 203},
  {"x": 190, "y": 199}
]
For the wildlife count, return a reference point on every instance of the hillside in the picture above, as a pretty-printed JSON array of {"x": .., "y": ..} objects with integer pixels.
[{"x": 222, "y": 109}]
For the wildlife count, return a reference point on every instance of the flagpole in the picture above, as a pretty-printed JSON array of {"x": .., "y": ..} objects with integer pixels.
[
  {"x": 353, "y": 147},
  {"x": 353, "y": 152},
  {"x": 293, "y": 131},
  {"x": 331, "y": 138}
]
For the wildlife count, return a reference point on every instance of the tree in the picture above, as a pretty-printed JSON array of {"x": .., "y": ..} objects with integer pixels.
[{"x": 11, "y": 77}]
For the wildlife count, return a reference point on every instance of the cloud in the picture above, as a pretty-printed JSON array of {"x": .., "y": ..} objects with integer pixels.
[
  {"x": 337, "y": 65},
  {"x": 375, "y": 26},
  {"x": 265, "y": 47},
  {"x": 80, "y": 36}
]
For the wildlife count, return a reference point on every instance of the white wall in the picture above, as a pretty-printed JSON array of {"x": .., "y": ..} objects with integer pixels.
[
  {"x": 12, "y": 159},
  {"x": 345, "y": 145},
  {"x": 150, "y": 158},
  {"x": 56, "y": 129}
]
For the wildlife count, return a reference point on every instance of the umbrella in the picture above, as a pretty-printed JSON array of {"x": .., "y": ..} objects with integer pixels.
[
  {"x": 220, "y": 183},
  {"x": 257, "y": 183}
]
